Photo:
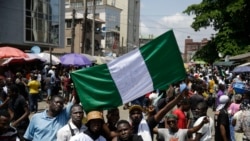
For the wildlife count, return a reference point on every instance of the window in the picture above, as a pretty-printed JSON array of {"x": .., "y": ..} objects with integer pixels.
[
  {"x": 97, "y": 15},
  {"x": 42, "y": 21},
  {"x": 68, "y": 42},
  {"x": 68, "y": 23}
]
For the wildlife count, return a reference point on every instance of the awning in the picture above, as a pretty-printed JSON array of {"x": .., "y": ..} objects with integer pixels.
[{"x": 223, "y": 63}]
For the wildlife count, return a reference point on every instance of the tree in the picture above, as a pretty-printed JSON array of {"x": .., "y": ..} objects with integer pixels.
[
  {"x": 208, "y": 53},
  {"x": 231, "y": 20}
]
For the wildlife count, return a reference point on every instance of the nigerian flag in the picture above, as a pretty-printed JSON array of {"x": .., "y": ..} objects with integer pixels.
[{"x": 155, "y": 65}]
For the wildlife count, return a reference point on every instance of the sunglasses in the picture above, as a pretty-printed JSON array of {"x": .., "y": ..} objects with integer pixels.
[{"x": 171, "y": 121}]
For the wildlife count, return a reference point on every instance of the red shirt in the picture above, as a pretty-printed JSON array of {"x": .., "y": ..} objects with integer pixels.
[{"x": 182, "y": 120}]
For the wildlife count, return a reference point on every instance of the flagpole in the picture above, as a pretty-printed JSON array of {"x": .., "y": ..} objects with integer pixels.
[{"x": 93, "y": 30}]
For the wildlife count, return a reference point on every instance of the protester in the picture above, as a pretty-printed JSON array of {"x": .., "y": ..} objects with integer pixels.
[
  {"x": 222, "y": 131},
  {"x": 145, "y": 127},
  {"x": 4, "y": 99},
  {"x": 74, "y": 126},
  {"x": 34, "y": 87},
  {"x": 66, "y": 86},
  {"x": 238, "y": 133},
  {"x": 18, "y": 109},
  {"x": 233, "y": 108},
  {"x": 221, "y": 91},
  {"x": 173, "y": 133},
  {"x": 125, "y": 132},
  {"x": 47, "y": 86},
  {"x": 242, "y": 123},
  {"x": 21, "y": 83},
  {"x": 7, "y": 133},
  {"x": 94, "y": 123},
  {"x": 44, "y": 126},
  {"x": 182, "y": 121},
  {"x": 110, "y": 128},
  {"x": 205, "y": 133},
  {"x": 3, "y": 83},
  {"x": 211, "y": 90}
]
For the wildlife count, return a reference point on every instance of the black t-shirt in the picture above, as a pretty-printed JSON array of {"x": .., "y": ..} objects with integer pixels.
[
  {"x": 17, "y": 105},
  {"x": 223, "y": 119},
  {"x": 3, "y": 95},
  {"x": 194, "y": 100},
  {"x": 22, "y": 90},
  {"x": 10, "y": 135}
]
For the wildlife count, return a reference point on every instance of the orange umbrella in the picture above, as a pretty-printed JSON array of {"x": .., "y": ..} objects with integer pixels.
[{"x": 7, "y": 52}]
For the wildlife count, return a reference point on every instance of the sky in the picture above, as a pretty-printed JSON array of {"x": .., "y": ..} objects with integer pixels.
[{"x": 159, "y": 16}]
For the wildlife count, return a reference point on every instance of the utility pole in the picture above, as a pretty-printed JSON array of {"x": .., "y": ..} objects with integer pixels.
[
  {"x": 73, "y": 31},
  {"x": 122, "y": 46},
  {"x": 84, "y": 26},
  {"x": 50, "y": 56},
  {"x": 93, "y": 30}
]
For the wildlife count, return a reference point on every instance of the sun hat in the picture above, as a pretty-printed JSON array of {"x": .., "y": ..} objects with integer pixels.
[
  {"x": 94, "y": 115},
  {"x": 223, "y": 100},
  {"x": 135, "y": 107}
]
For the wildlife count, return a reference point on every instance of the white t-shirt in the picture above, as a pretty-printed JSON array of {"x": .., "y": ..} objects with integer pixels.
[
  {"x": 64, "y": 134},
  {"x": 52, "y": 72},
  {"x": 180, "y": 135},
  {"x": 237, "y": 115},
  {"x": 206, "y": 130}
]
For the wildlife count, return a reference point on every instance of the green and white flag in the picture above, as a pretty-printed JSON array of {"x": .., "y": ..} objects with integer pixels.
[{"x": 155, "y": 65}]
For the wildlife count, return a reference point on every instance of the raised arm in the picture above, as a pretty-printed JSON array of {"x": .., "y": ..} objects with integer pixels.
[
  {"x": 198, "y": 127},
  {"x": 160, "y": 114}
]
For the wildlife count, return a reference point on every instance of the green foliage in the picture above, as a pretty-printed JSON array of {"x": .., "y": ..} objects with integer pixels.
[
  {"x": 231, "y": 20},
  {"x": 208, "y": 53}
]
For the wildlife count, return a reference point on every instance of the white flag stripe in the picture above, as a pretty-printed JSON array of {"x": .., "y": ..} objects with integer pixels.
[{"x": 131, "y": 75}]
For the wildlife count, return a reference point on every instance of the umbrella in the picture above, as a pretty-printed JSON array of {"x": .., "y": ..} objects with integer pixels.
[
  {"x": 46, "y": 56},
  {"x": 33, "y": 56},
  {"x": 241, "y": 69},
  {"x": 200, "y": 62},
  {"x": 245, "y": 64},
  {"x": 91, "y": 58},
  {"x": 12, "y": 60},
  {"x": 17, "y": 60},
  {"x": 75, "y": 60},
  {"x": 7, "y": 52}
]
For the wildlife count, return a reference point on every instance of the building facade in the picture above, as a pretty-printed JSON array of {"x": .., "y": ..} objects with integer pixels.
[
  {"x": 107, "y": 25},
  {"x": 191, "y": 47},
  {"x": 75, "y": 44},
  {"x": 130, "y": 21},
  {"x": 30, "y": 23}
]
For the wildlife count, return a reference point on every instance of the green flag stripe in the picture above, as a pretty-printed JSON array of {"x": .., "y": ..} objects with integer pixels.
[
  {"x": 91, "y": 93},
  {"x": 163, "y": 59}
]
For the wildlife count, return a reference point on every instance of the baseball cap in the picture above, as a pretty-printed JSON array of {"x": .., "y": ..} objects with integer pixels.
[{"x": 223, "y": 100}]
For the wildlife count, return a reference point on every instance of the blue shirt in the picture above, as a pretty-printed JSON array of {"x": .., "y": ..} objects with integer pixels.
[{"x": 44, "y": 128}]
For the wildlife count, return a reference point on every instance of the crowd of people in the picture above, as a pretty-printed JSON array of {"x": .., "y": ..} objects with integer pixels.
[{"x": 179, "y": 113}]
